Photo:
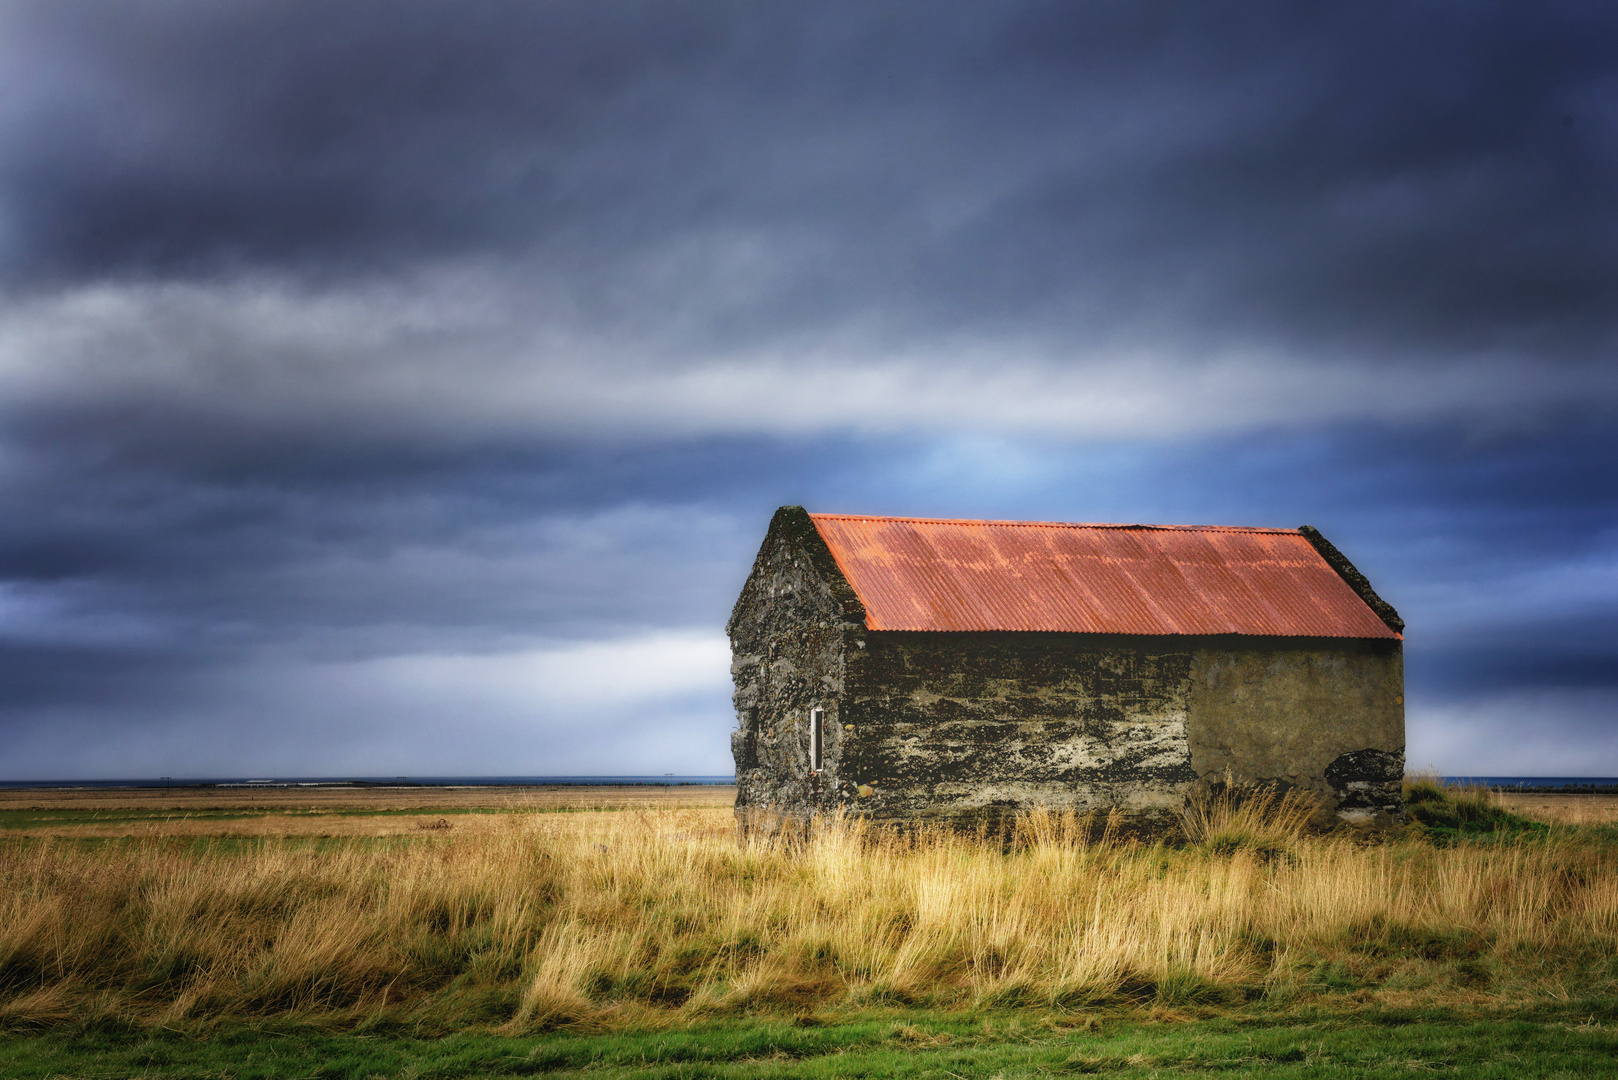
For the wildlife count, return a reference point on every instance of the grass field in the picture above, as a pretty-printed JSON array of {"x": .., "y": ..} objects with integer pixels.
[{"x": 626, "y": 932}]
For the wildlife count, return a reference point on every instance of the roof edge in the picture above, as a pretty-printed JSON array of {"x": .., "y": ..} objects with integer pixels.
[
  {"x": 1162, "y": 636},
  {"x": 1059, "y": 524},
  {"x": 1354, "y": 579}
]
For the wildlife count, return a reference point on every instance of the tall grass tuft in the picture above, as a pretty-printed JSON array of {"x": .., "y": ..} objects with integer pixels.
[{"x": 1257, "y": 818}]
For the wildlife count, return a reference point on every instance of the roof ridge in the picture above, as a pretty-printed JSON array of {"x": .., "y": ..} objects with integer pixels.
[{"x": 1060, "y": 524}]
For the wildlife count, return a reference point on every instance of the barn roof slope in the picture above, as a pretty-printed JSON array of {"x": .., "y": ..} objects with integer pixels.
[{"x": 927, "y": 574}]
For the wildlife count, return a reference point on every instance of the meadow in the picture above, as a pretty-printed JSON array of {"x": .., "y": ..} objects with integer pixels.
[{"x": 630, "y": 931}]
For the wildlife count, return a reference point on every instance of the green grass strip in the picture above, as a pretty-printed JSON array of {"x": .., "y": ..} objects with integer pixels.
[{"x": 923, "y": 1046}]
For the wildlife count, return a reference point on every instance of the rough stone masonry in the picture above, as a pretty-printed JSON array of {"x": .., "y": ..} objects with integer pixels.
[{"x": 969, "y": 726}]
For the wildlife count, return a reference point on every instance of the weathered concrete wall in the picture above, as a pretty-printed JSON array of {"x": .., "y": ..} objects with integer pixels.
[
  {"x": 968, "y": 727},
  {"x": 1325, "y": 716}
]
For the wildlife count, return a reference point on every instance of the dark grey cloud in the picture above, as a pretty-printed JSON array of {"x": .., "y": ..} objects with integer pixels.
[
  {"x": 1392, "y": 178},
  {"x": 202, "y": 138}
]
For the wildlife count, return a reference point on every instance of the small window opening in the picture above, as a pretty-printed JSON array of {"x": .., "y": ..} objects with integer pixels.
[{"x": 817, "y": 719}]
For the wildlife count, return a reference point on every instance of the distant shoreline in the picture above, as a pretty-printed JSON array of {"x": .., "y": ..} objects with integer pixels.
[
  {"x": 234, "y": 783},
  {"x": 1528, "y": 785}
]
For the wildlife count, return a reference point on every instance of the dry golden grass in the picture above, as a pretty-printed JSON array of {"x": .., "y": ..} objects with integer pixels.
[
  {"x": 541, "y": 920},
  {"x": 1234, "y": 817}
]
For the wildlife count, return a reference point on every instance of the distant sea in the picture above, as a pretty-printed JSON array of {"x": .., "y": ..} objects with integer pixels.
[
  {"x": 665, "y": 780},
  {"x": 1547, "y": 784},
  {"x": 1607, "y": 785}
]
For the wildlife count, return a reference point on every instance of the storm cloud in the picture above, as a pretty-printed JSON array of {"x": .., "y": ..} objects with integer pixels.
[{"x": 366, "y": 371}]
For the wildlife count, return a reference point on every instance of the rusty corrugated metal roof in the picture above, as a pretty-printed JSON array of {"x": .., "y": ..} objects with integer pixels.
[{"x": 925, "y": 574}]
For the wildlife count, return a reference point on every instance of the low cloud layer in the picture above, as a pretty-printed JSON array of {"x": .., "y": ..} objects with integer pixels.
[
  {"x": 338, "y": 351},
  {"x": 447, "y": 360}
]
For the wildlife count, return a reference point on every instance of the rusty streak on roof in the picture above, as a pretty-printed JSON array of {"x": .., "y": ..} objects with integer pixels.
[{"x": 924, "y": 574}]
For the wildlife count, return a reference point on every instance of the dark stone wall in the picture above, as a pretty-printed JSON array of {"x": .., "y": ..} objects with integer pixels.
[{"x": 969, "y": 727}]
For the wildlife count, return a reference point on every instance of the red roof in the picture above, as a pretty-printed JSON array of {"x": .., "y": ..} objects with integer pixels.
[{"x": 922, "y": 574}]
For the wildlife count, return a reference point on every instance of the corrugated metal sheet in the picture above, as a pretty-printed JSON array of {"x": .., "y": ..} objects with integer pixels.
[{"x": 921, "y": 574}]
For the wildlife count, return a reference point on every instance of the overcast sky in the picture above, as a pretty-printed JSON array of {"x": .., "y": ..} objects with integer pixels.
[{"x": 405, "y": 388}]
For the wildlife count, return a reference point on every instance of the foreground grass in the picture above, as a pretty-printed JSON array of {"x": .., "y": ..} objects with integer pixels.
[
  {"x": 605, "y": 923},
  {"x": 1372, "y": 1045}
]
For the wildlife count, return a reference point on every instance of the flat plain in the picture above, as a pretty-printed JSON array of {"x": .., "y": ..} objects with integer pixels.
[
  {"x": 1563, "y": 809},
  {"x": 324, "y": 811}
]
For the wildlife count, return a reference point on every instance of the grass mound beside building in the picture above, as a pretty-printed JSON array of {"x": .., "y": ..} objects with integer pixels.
[{"x": 1450, "y": 812}]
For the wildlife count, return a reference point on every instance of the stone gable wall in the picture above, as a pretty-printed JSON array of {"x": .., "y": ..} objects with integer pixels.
[{"x": 787, "y": 643}]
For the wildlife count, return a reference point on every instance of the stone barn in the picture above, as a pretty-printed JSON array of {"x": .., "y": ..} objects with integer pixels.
[{"x": 959, "y": 671}]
